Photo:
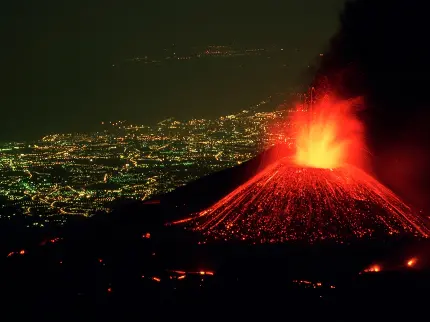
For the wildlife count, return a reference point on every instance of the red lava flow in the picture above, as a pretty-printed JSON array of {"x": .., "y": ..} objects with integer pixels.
[{"x": 315, "y": 195}]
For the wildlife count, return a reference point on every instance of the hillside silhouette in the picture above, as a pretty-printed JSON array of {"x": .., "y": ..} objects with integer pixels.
[{"x": 204, "y": 191}]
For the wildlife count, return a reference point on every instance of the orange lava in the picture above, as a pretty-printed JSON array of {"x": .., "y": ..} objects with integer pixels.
[
  {"x": 373, "y": 269},
  {"x": 328, "y": 135},
  {"x": 411, "y": 262},
  {"x": 321, "y": 193},
  {"x": 285, "y": 202}
]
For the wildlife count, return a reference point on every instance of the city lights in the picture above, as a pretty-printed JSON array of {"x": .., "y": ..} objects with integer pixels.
[{"x": 81, "y": 173}]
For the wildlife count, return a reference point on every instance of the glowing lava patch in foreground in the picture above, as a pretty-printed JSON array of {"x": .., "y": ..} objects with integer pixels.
[{"x": 317, "y": 195}]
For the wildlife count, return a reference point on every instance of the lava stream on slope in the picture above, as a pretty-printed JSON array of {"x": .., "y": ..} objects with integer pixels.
[{"x": 286, "y": 202}]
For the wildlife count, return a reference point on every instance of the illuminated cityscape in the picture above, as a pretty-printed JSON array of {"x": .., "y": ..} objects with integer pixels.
[{"x": 82, "y": 173}]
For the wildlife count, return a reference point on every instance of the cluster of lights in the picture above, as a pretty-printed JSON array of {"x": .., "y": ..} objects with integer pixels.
[
  {"x": 310, "y": 284},
  {"x": 179, "y": 275},
  {"x": 209, "y": 51},
  {"x": 81, "y": 173}
]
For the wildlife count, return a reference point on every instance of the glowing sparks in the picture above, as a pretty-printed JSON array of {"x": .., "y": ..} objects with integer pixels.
[{"x": 328, "y": 135}]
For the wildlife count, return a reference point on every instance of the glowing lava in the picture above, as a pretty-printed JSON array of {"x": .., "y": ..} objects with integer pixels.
[
  {"x": 329, "y": 135},
  {"x": 411, "y": 262},
  {"x": 285, "y": 202},
  {"x": 373, "y": 269},
  {"x": 316, "y": 195}
]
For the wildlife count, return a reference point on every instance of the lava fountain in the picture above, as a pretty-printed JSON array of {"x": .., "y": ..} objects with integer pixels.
[
  {"x": 328, "y": 135},
  {"x": 318, "y": 194}
]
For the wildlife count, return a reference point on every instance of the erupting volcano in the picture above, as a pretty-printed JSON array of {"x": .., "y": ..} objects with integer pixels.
[{"x": 318, "y": 193}]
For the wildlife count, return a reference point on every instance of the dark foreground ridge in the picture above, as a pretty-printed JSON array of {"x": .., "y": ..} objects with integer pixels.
[{"x": 113, "y": 273}]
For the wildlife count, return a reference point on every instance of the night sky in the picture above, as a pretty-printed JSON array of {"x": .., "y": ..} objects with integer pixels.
[{"x": 57, "y": 56}]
